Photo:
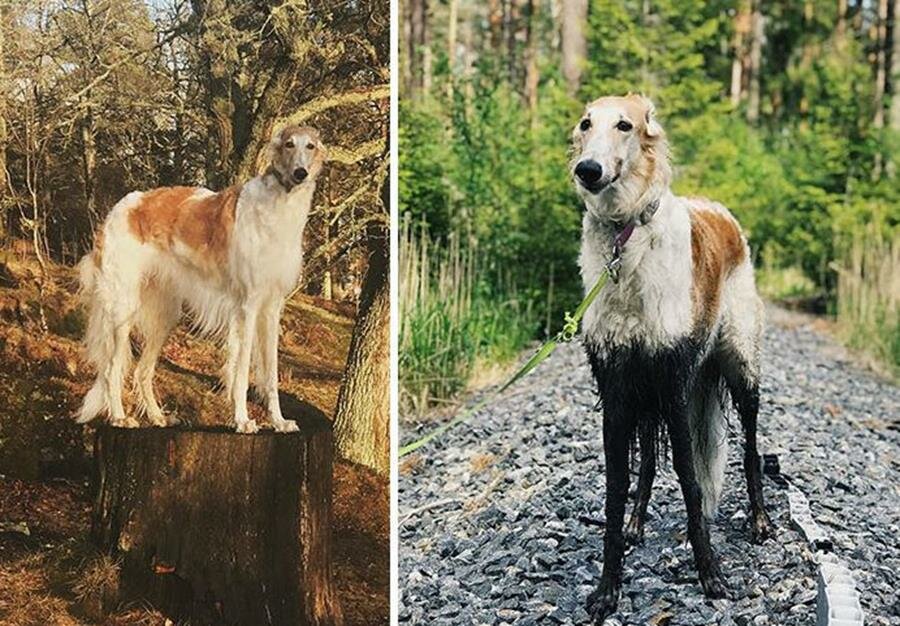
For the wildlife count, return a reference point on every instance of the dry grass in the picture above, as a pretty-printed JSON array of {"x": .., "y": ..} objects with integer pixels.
[
  {"x": 868, "y": 295},
  {"x": 27, "y": 599}
]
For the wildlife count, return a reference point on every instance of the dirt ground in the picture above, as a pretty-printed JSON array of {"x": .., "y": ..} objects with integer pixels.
[{"x": 49, "y": 574}]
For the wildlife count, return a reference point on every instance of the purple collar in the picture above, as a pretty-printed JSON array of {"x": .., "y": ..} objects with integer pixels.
[{"x": 624, "y": 235}]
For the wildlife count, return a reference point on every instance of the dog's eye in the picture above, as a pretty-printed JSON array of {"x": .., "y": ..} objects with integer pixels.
[
  {"x": 310, "y": 146},
  {"x": 585, "y": 124},
  {"x": 289, "y": 144},
  {"x": 624, "y": 126}
]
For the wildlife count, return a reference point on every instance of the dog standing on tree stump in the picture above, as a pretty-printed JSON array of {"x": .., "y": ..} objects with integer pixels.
[{"x": 231, "y": 257}]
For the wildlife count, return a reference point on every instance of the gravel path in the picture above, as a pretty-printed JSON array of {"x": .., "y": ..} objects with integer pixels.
[{"x": 502, "y": 518}]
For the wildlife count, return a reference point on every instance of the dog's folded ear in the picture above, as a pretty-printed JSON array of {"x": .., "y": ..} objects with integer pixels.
[
  {"x": 651, "y": 126},
  {"x": 274, "y": 143}
]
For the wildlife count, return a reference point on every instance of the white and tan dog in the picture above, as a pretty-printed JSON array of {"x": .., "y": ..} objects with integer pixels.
[
  {"x": 230, "y": 258},
  {"x": 671, "y": 339}
]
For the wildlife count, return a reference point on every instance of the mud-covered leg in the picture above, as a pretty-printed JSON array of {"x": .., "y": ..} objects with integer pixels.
[
  {"x": 746, "y": 400},
  {"x": 602, "y": 602},
  {"x": 698, "y": 531},
  {"x": 634, "y": 532}
]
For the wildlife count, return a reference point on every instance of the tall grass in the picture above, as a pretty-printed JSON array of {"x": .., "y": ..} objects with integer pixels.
[
  {"x": 868, "y": 294},
  {"x": 457, "y": 311}
]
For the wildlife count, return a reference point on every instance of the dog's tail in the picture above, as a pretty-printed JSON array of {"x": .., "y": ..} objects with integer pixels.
[
  {"x": 98, "y": 336},
  {"x": 709, "y": 439}
]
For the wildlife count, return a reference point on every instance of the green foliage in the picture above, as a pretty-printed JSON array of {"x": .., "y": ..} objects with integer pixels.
[
  {"x": 811, "y": 170},
  {"x": 454, "y": 313}
]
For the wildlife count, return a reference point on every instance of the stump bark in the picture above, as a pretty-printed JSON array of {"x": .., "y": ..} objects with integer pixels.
[{"x": 217, "y": 527}]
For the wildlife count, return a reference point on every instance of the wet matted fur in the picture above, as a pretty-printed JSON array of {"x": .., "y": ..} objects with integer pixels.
[{"x": 671, "y": 340}]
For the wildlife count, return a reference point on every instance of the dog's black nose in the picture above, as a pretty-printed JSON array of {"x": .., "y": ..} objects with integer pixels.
[
  {"x": 300, "y": 174},
  {"x": 589, "y": 172}
]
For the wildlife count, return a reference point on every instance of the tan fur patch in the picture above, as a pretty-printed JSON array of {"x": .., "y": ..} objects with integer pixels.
[
  {"x": 717, "y": 247},
  {"x": 202, "y": 223},
  {"x": 636, "y": 108}
]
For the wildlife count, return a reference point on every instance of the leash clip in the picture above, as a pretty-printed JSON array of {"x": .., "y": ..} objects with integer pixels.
[
  {"x": 614, "y": 265},
  {"x": 570, "y": 328}
]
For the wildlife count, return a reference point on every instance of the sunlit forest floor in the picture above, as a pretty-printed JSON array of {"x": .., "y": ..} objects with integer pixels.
[{"x": 49, "y": 574}]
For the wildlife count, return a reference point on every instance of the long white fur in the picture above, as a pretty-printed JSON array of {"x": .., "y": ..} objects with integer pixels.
[
  {"x": 138, "y": 284},
  {"x": 651, "y": 305}
]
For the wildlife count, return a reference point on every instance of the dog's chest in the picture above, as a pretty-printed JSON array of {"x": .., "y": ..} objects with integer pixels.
[
  {"x": 269, "y": 245},
  {"x": 650, "y": 305}
]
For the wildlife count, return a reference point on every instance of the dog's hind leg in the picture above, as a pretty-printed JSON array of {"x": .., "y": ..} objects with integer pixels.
[
  {"x": 634, "y": 532},
  {"x": 739, "y": 356},
  {"x": 745, "y": 395},
  {"x": 158, "y": 315},
  {"x": 115, "y": 376}
]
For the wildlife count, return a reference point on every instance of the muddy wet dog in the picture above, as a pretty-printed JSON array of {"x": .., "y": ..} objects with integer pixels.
[
  {"x": 672, "y": 340},
  {"x": 231, "y": 258}
]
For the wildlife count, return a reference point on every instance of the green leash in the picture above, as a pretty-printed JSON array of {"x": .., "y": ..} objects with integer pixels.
[{"x": 564, "y": 336}]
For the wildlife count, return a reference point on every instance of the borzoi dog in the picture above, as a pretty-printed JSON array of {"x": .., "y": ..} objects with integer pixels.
[
  {"x": 678, "y": 328},
  {"x": 230, "y": 257}
]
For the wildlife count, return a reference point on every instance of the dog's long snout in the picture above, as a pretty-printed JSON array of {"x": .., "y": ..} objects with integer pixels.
[
  {"x": 589, "y": 172},
  {"x": 300, "y": 174}
]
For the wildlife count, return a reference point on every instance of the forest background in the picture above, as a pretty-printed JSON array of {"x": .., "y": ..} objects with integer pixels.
[{"x": 786, "y": 112}]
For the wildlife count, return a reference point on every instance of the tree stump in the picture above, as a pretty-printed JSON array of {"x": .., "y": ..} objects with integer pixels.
[{"x": 217, "y": 527}]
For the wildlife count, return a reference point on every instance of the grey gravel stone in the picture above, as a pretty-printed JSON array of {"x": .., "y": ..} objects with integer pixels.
[{"x": 523, "y": 543}]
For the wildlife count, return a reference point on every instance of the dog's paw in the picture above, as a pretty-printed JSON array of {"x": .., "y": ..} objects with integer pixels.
[
  {"x": 602, "y": 603},
  {"x": 127, "y": 422},
  {"x": 713, "y": 584},
  {"x": 634, "y": 531},
  {"x": 247, "y": 427},
  {"x": 760, "y": 527},
  {"x": 161, "y": 420},
  {"x": 285, "y": 426}
]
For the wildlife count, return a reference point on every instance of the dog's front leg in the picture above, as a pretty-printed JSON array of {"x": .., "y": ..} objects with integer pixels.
[
  {"x": 616, "y": 431},
  {"x": 698, "y": 530},
  {"x": 268, "y": 337},
  {"x": 240, "y": 347}
]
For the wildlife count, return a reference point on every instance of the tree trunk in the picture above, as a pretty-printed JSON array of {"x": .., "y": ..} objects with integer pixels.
[
  {"x": 220, "y": 528},
  {"x": 756, "y": 43},
  {"x": 495, "y": 23},
  {"x": 881, "y": 77},
  {"x": 452, "y": 25},
  {"x": 574, "y": 47},
  {"x": 89, "y": 163},
  {"x": 362, "y": 422},
  {"x": 532, "y": 76},
  {"x": 894, "y": 75},
  {"x": 841, "y": 27},
  {"x": 251, "y": 150},
  {"x": 741, "y": 28},
  {"x": 893, "y": 82},
  {"x": 216, "y": 78},
  {"x": 418, "y": 15},
  {"x": 3, "y": 133}
]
